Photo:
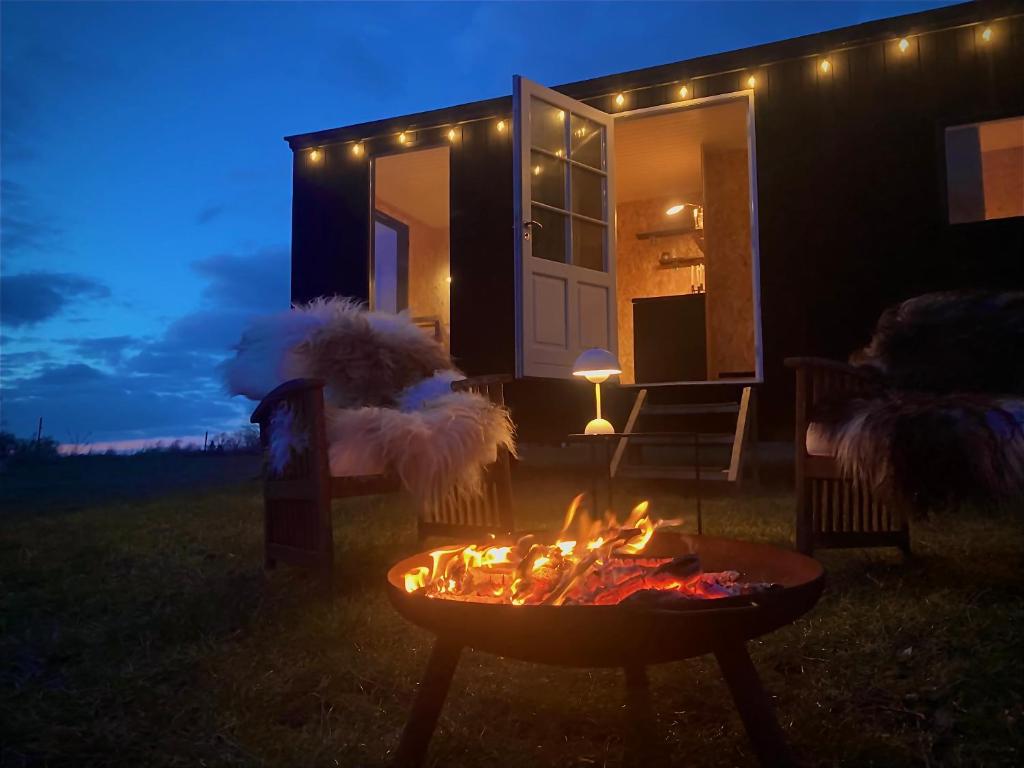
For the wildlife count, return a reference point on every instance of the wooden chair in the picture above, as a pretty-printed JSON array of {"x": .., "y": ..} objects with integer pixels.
[
  {"x": 490, "y": 512},
  {"x": 833, "y": 510},
  {"x": 297, "y": 502}
]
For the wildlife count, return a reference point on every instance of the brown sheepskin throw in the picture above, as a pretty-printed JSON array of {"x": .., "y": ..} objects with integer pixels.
[
  {"x": 947, "y": 423},
  {"x": 388, "y": 398},
  {"x": 953, "y": 341},
  {"x": 928, "y": 451}
]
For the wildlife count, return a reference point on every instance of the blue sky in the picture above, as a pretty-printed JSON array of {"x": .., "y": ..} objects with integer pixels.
[{"x": 146, "y": 188}]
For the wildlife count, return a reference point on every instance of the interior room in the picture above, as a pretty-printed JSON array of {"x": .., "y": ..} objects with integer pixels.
[
  {"x": 410, "y": 262},
  {"x": 684, "y": 260}
]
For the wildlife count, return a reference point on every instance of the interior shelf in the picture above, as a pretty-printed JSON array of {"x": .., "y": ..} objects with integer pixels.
[
  {"x": 684, "y": 262},
  {"x": 673, "y": 232}
]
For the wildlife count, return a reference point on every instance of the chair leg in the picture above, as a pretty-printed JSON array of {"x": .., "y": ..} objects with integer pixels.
[
  {"x": 753, "y": 704},
  {"x": 426, "y": 707}
]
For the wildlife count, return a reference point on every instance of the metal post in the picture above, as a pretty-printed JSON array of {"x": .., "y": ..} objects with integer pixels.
[{"x": 696, "y": 468}]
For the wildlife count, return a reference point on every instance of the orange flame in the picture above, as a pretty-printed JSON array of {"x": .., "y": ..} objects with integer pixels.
[{"x": 597, "y": 563}]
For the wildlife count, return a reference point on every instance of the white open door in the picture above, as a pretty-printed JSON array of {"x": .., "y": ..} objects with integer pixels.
[{"x": 565, "y": 230}]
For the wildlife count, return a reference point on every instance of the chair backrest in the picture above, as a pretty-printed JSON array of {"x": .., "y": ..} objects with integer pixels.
[
  {"x": 819, "y": 380},
  {"x": 490, "y": 511}
]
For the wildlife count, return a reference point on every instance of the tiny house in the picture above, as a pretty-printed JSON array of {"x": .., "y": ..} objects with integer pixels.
[{"x": 703, "y": 219}]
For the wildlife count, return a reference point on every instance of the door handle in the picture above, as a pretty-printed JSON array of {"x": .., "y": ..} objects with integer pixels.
[{"x": 527, "y": 227}]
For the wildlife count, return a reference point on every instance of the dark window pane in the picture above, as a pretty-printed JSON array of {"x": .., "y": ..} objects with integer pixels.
[
  {"x": 985, "y": 170},
  {"x": 549, "y": 239},
  {"x": 588, "y": 245},
  {"x": 588, "y": 193},
  {"x": 547, "y": 127},
  {"x": 547, "y": 179},
  {"x": 586, "y": 138}
]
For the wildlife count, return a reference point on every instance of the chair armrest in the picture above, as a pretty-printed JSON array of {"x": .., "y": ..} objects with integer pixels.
[{"x": 283, "y": 392}]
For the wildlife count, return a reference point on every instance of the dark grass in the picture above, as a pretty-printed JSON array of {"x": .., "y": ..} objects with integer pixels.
[{"x": 144, "y": 632}]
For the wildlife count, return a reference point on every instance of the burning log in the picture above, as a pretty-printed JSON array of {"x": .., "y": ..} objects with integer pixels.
[{"x": 603, "y": 565}]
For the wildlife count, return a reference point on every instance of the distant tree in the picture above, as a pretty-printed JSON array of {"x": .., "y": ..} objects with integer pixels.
[{"x": 16, "y": 449}]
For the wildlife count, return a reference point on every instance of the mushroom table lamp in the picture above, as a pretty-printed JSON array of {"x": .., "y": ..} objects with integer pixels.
[{"x": 596, "y": 365}]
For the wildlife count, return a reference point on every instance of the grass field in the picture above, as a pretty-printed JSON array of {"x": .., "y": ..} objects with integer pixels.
[{"x": 137, "y": 627}]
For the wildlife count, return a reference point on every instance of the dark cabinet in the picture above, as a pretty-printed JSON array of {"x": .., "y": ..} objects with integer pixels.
[{"x": 669, "y": 338}]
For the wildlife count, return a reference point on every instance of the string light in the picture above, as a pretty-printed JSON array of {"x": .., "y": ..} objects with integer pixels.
[{"x": 903, "y": 44}]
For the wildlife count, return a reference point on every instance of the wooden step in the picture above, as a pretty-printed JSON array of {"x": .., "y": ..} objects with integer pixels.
[
  {"x": 655, "y": 472},
  {"x": 688, "y": 409}
]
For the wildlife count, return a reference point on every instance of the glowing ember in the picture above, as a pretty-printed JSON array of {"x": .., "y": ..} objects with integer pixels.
[{"x": 600, "y": 563}]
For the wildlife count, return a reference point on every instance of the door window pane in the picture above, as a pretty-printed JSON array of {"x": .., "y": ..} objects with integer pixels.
[
  {"x": 549, "y": 239},
  {"x": 588, "y": 193},
  {"x": 547, "y": 127},
  {"x": 588, "y": 245},
  {"x": 547, "y": 179},
  {"x": 586, "y": 138}
]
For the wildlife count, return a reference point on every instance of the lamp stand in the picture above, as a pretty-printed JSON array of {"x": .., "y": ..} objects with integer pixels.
[{"x": 598, "y": 426}]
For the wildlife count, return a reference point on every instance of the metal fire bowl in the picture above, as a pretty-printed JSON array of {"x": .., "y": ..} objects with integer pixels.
[{"x": 624, "y": 635}]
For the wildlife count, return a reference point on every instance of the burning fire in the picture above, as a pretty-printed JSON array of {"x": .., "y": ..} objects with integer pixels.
[{"x": 592, "y": 562}]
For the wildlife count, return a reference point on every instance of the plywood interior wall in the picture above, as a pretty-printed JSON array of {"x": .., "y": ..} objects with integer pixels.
[
  {"x": 414, "y": 188},
  {"x": 637, "y": 273},
  {"x": 728, "y": 266}
]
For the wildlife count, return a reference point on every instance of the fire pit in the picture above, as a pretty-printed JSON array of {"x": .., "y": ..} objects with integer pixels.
[{"x": 646, "y": 626}]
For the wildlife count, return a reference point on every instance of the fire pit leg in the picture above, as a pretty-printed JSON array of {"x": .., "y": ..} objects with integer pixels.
[
  {"x": 752, "y": 702},
  {"x": 426, "y": 708},
  {"x": 643, "y": 745}
]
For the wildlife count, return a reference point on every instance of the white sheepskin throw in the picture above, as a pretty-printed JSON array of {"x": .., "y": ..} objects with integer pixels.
[
  {"x": 389, "y": 405},
  {"x": 435, "y": 450}
]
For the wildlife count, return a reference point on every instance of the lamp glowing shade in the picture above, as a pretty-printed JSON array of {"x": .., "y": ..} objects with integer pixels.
[{"x": 596, "y": 365}]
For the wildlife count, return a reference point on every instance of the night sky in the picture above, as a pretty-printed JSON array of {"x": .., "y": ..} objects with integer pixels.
[{"x": 146, "y": 188}]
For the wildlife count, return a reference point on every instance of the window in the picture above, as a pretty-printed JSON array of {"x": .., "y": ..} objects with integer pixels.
[{"x": 985, "y": 170}]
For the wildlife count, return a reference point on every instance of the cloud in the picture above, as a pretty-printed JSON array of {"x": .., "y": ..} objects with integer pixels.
[
  {"x": 33, "y": 297},
  {"x": 22, "y": 228},
  {"x": 106, "y": 349},
  {"x": 209, "y": 213},
  {"x": 258, "y": 282},
  {"x": 78, "y": 399},
  {"x": 127, "y": 387}
]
